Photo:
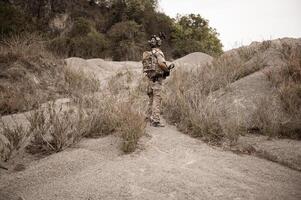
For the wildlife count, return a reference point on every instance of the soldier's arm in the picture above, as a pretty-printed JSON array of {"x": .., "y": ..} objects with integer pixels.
[{"x": 161, "y": 62}]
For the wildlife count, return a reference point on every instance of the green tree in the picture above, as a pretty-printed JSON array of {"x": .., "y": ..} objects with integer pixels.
[
  {"x": 13, "y": 21},
  {"x": 192, "y": 33},
  {"x": 83, "y": 40},
  {"x": 127, "y": 40}
]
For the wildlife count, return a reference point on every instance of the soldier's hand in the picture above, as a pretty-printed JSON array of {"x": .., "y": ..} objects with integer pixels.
[
  {"x": 171, "y": 66},
  {"x": 166, "y": 74}
]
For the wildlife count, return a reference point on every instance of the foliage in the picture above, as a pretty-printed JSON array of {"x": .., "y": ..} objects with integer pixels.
[
  {"x": 13, "y": 20},
  {"x": 287, "y": 82},
  {"x": 80, "y": 27},
  {"x": 112, "y": 28},
  {"x": 127, "y": 40},
  {"x": 82, "y": 41},
  {"x": 192, "y": 33}
]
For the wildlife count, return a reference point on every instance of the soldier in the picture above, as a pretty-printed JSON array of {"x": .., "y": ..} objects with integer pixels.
[{"x": 155, "y": 68}]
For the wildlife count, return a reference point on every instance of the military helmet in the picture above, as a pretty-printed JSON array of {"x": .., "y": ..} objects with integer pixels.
[{"x": 155, "y": 41}]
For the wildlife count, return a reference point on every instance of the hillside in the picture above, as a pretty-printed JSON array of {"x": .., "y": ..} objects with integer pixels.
[
  {"x": 115, "y": 29},
  {"x": 74, "y": 147}
]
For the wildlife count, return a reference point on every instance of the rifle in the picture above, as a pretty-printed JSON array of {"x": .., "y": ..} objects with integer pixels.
[{"x": 167, "y": 73}]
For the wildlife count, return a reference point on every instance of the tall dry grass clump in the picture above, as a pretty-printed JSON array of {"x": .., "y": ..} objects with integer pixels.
[
  {"x": 13, "y": 137},
  {"x": 29, "y": 74},
  {"x": 54, "y": 128},
  {"x": 129, "y": 106},
  {"x": 189, "y": 106},
  {"x": 77, "y": 83},
  {"x": 287, "y": 82},
  {"x": 234, "y": 65},
  {"x": 132, "y": 126}
]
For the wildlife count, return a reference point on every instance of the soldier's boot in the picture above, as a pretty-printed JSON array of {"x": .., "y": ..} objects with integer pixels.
[{"x": 157, "y": 124}]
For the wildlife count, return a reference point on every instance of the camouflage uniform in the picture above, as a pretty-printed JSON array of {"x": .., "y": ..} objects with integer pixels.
[{"x": 154, "y": 89}]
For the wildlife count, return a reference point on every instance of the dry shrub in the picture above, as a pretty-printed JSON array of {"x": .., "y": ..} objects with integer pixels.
[
  {"x": 29, "y": 74},
  {"x": 26, "y": 46},
  {"x": 188, "y": 101},
  {"x": 287, "y": 82},
  {"x": 101, "y": 118},
  {"x": 111, "y": 114},
  {"x": 54, "y": 128},
  {"x": 132, "y": 126},
  {"x": 231, "y": 67},
  {"x": 267, "y": 120},
  {"x": 248, "y": 52},
  {"x": 239, "y": 63},
  {"x": 90, "y": 114},
  {"x": 120, "y": 82},
  {"x": 78, "y": 83},
  {"x": 188, "y": 105},
  {"x": 16, "y": 134},
  {"x": 128, "y": 108},
  {"x": 225, "y": 69}
]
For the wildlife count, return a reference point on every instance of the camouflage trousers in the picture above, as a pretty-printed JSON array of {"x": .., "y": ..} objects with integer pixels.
[{"x": 154, "y": 104}]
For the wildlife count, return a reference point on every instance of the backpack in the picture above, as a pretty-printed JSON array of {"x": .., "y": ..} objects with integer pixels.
[{"x": 149, "y": 62}]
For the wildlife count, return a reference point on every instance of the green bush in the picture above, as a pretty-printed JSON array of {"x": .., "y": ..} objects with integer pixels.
[
  {"x": 127, "y": 40},
  {"x": 192, "y": 33},
  {"x": 13, "y": 21},
  {"x": 81, "y": 27},
  {"x": 82, "y": 41}
]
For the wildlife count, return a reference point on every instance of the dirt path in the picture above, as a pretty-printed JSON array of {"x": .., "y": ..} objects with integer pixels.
[{"x": 169, "y": 165}]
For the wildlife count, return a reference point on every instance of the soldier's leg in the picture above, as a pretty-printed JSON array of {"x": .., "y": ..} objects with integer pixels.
[
  {"x": 150, "y": 95},
  {"x": 150, "y": 106},
  {"x": 156, "y": 107}
]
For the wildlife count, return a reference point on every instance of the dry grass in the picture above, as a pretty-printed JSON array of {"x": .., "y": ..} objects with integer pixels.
[
  {"x": 78, "y": 83},
  {"x": 129, "y": 107},
  {"x": 226, "y": 69},
  {"x": 120, "y": 82},
  {"x": 188, "y": 101},
  {"x": 287, "y": 81},
  {"x": 132, "y": 126},
  {"x": 188, "y": 105},
  {"x": 29, "y": 74},
  {"x": 25, "y": 46},
  {"x": 56, "y": 128},
  {"x": 267, "y": 121},
  {"x": 90, "y": 115},
  {"x": 16, "y": 135}
]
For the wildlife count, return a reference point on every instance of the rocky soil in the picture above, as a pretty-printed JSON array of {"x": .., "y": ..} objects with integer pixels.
[{"x": 168, "y": 165}]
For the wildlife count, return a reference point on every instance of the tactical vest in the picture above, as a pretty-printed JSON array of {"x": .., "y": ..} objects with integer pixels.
[{"x": 150, "y": 64}]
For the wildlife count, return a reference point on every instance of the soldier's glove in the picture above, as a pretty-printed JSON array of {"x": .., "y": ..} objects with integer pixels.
[
  {"x": 171, "y": 66},
  {"x": 166, "y": 73}
]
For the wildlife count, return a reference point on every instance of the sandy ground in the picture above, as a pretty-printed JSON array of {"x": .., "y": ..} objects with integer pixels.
[
  {"x": 283, "y": 151},
  {"x": 168, "y": 165}
]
